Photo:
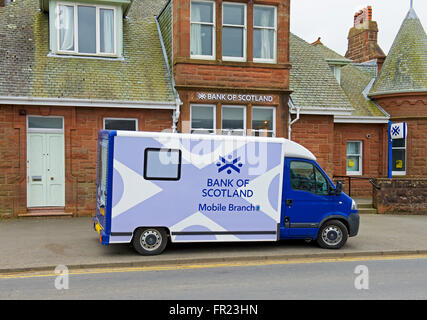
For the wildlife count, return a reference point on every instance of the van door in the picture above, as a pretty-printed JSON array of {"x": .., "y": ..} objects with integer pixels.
[{"x": 306, "y": 198}]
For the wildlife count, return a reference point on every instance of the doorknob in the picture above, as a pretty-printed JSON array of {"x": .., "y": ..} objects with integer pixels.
[
  {"x": 51, "y": 178},
  {"x": 289, "y": 202}
]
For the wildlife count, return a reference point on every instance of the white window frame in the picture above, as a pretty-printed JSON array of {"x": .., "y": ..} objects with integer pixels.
[
  {"x": 274, "y": 121},
  {"x": 213, "y": 25},
  {"x": 76, "y": 30},
  {"x": 360, "y": 155},
  {"x": 274, "y": 60},
  {"x": 336, "y": 71},
  {"x": 229, "y": 131},
  {"x": 213, "y": 114},
  {"x": 400, "y": 173},
  {"x": 245, "y": 32},
  {"x": 127, "y": 119},
  {"x": 44, "y": 130}
]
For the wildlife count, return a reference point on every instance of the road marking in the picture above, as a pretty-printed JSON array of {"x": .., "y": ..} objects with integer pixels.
[{"x": 23, "y": 275}]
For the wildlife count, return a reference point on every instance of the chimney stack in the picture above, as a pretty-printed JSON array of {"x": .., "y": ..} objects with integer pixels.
[{"x": 362, "y": 39}]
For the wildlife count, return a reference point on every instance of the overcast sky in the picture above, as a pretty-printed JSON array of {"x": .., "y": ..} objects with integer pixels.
[{"x": 332, "y": 19}]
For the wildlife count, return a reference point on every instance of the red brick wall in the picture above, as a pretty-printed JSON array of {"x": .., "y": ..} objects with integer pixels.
[
  {"x": 80, "y": 134},
  {"x": 374, "y": 153},
  {"x": 413, "y": 110},
  {"x": 241, "y": 76},
  {"x": 316, "y": 133},
  {"x": 249, "y": 77},
  {"x": 328, "y": 142}
]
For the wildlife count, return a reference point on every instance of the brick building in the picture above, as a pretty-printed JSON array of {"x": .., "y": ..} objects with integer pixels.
[
  {"x": 344, "y": 121},
  {"x": 214, "y": 67},
  {"x": 71, "y": 69},
  {"x": 230, "y": 64},
  {"x": 59, "y": 87}
]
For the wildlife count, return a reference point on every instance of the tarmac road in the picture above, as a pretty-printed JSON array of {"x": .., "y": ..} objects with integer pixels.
[
  {"x": 44, "y": 243},
  {"x": 381, "y": 278}
]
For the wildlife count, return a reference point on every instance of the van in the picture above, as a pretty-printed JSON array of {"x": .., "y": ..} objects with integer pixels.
[{"x": 157, "y": 187}]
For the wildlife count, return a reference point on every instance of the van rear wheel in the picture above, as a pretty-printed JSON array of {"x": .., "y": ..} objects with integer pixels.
[
  {"x": 332, "y": 235},
  {"x": 150, "y": 241}
]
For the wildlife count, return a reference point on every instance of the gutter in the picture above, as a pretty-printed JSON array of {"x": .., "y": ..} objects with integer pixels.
[{"x": 91, "y": 103}]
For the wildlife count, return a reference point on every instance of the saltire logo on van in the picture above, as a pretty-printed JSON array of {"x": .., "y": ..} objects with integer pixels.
[{"x": 229, "y": 165}]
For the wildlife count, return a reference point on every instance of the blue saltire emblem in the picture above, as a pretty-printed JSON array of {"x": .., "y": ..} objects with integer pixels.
[
  {"x": 395, "y": 131},
  {"x": 233, "y": 164}
]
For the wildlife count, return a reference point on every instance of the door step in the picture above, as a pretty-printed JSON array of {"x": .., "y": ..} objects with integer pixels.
[
  {"x": 46, "y": 212},
  {"x": 365, "y": 206}
]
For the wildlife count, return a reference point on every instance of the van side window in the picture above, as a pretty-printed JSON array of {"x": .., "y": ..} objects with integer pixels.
[
  {"x": 321, "y": 183},
  {"x": 302, "y": 176},
  {"x": 162, "y": 164},
  {"x": 305, "y": 176}
]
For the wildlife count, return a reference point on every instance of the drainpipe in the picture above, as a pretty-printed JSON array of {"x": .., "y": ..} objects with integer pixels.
[
  {"x": 291, "y": 122},
  {"x": 175, "y": 115},
  {"x": 178, "y": 102}
]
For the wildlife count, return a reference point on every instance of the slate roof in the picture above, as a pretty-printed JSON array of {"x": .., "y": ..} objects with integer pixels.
[
  {"x": 26, "y": 70},
  {"x": 311, "y": 79},
  {"x": 355, "y": 78},
  {"x": 330, "y": 54},
  {"x": 354, "y": 82},
  {"x": 310, "y": 62},
  {"x": 405, "y": 68}
]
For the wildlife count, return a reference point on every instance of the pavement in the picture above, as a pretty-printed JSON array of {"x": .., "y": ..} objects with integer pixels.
[{"x": 39, "y": 244}]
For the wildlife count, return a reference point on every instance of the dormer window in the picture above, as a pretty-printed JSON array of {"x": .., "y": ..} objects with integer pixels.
[
  {"x": 336, "y": 70},
  {"x": 85, "y": 29}
]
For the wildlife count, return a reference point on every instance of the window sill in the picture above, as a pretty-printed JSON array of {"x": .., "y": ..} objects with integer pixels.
[
  {"x": 354, "y": 174},
  {"x": 81, "y": 56}
]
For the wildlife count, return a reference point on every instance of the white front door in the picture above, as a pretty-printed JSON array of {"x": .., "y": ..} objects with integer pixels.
[{"x": 45, "y": 164}]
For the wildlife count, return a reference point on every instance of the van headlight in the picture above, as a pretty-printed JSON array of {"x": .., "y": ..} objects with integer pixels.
[{"x": 353, "y": 205}]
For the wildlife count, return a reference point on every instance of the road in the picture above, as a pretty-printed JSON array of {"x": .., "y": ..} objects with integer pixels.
[{"x": 401, "y": 277}]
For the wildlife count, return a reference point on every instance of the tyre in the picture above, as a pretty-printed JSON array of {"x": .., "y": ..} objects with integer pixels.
[
  {"x": 150, "y": 241},
  {"x": 332, "y": 235}
]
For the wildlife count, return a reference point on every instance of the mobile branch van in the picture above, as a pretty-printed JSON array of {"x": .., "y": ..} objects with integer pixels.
[{"x": 158, "y": 187}]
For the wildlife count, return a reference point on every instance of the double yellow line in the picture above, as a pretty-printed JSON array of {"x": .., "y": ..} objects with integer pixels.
[{"x": 23, "y": 275}]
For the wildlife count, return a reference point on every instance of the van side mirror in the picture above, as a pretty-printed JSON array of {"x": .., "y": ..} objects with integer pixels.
[{"x": 338, "y": 189}]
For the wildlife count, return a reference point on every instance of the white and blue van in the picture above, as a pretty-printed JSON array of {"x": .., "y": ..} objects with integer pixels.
[{"x": 157, "y": 187}]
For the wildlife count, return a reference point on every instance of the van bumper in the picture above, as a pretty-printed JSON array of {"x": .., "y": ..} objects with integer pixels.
[{"x": 353, "y": 223}]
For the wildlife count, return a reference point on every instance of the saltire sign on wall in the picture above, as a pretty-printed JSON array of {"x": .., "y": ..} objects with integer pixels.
[{"x": 398, "y": 130}]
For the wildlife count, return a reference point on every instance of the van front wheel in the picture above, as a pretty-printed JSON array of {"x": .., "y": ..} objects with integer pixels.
[
  {"x": 150, "y": 241},
  {"x": 332, "y": 235}
]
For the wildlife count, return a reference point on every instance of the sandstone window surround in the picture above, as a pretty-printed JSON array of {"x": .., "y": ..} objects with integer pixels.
[
  {"x": 265, "y": 34},
  {"x": 399, "y": 157},
  {"x": 128, "y": 124},
  {"x": 241, "y": 120},
  {"x": 203, "y": 39},
  {"x": 263, "y": 121},
  {"x": 354, "y": 157},
  {"x": 234, "y": 31},
  {"x": 233, "y": 27},
  {"x": 203, "y": 119}
]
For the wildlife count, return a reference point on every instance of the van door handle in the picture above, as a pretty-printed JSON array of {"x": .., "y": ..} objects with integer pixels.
[{"x": 289, "y": 202}]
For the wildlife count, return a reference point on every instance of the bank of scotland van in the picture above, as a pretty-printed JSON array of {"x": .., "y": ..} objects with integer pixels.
[{"x": 158, "y": 187}]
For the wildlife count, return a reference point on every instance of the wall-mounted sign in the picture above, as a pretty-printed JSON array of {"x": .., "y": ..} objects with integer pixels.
[
  {"x": 233, "y": 97},
  {"x": 398, "y": 130}
]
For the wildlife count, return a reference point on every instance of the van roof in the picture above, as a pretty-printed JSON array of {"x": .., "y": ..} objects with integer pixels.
[{"x": 292, "y": 149}]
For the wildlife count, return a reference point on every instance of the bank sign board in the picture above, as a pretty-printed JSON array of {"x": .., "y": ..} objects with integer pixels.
[{"x": 234, "y": 97}]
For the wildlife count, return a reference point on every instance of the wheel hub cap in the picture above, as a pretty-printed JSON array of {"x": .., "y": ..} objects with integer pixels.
[
  {"x": 332, "y": 235},
  {"x": 151, "y": 240}
]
